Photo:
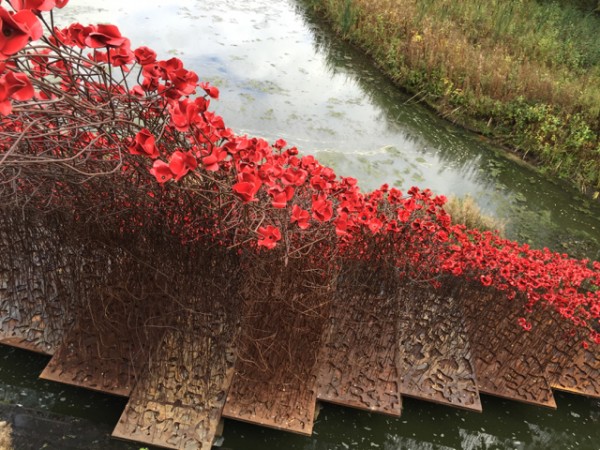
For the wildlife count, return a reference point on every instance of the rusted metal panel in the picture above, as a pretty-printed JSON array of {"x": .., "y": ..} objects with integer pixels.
[
  {"x": 178, "y": 399},
  {"x": 108, "y": 342},
  {"x": 32, "y": 270},
  {"x": 435, "y": 357},
  {"x": 582, "y": 374},
  {"x": 357, "y": 366},
  {"x": 509, "y": 362},
  {"x": 287, "y": 407},
  {"x": 23, "y": 344},
  {"x": 182, "y": 387},
  {"x": 284, "y": 317},
  {"x": 88, "y": 360},
  {"x": 275, "y": 380}
]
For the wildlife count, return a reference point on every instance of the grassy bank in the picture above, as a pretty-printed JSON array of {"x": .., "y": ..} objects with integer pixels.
[
  {"x": 525, "y": 73},
  {"x": 465, "y": 210}
]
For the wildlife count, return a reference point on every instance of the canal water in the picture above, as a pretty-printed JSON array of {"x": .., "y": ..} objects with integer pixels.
[{"x": 283, "y": 74}]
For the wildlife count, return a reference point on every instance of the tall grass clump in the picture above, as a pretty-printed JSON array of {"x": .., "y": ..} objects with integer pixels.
[
  {"x": 465, "y": 211},
  {"x": 525, "y": 73}
]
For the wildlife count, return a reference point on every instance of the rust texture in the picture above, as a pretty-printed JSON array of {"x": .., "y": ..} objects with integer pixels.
[
  {"x": 97, "y": 355},
  {"x": 117, "y": 320},
  {"x": 582, "y": 374},
  {"x": 33, "y": 274},
  {"x": 358, "y": 366},
  {"x": 284, "y": 397},
  {"x": 285, "y": 313},
  {"x": 178, "y": 405},
  {"x": 509, "y": 362},
  {"x": 179, "y": 394},
  {"x": 435, "y": 355},
  {"x": 277, "y": 390}
]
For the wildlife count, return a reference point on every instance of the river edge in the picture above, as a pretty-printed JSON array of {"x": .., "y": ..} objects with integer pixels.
[
  {"x": 342, "y": 25},
  {"x": 518, "y": 223}
]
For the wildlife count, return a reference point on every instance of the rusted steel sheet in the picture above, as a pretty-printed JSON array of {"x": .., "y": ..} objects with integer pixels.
[
  {"x": 509, "y": 362},
  {"x": 182, "y": 387},
  {"x": 357, "y": 365},
  {"x": 178, "y": 399},
  {"x": 434, "y": 353},
  {"x": 582, "y": 374},
  {"x": 108, "y": 342},
  {"x": 24, "y": 344},
  {"x": 275, "y": 380},
  {"x": 283, "y": 406},
  {"x": 32, "y": 311},
  {"x": 89, "y": 360}
]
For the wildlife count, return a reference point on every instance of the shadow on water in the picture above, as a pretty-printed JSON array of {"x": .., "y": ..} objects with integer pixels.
[
  {"x": 425, "y": 426},
  {"x": 43, "y": 414}
]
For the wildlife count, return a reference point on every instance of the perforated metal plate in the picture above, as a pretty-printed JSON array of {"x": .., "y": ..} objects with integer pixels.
[
  {"x": 358, "y": 363},
  {"x": 177, "y": 403},
  {"x": 435, "y": 357}
]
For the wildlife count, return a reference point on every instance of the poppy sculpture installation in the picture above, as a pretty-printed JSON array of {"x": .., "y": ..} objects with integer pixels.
[{"x": 158, "y": 255}]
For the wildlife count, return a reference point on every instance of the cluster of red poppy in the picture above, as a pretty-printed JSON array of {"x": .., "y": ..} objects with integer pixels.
[{"x": 212, "y": 181}]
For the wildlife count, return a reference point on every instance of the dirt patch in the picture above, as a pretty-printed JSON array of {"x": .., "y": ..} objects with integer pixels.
[{"x": 5, "y": 436}]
